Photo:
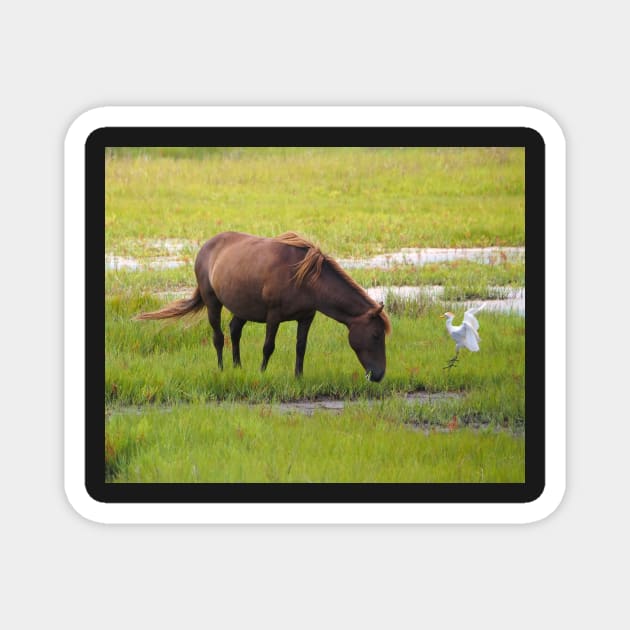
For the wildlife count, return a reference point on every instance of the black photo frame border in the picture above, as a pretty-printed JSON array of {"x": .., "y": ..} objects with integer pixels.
[{"x": 95, "y": 147}]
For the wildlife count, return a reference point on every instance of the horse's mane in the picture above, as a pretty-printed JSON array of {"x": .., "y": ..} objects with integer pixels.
[{"x": 310, "y": 267}]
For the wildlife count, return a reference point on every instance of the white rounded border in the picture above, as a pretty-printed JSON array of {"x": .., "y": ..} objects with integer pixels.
[{"x": 313, "y": 513}]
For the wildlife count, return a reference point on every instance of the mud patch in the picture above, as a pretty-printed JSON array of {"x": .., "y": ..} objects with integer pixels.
[
  {"x": 334, "y": 405},
  {"x": 474, "y": 424},
  {"x": 308, "y": 407}
]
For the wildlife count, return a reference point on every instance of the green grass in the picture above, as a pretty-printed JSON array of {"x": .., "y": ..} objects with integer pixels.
[
  {"x": 173, "y": 416},
  {"x": 165, "y": 363},
  {"x": 353, "y": 201},
  {"x": 240, "y": 443},
  {"x": 457, "y": 273}
]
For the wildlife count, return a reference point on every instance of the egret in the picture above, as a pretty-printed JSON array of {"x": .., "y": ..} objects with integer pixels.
[{"x": 465, "y": 335}]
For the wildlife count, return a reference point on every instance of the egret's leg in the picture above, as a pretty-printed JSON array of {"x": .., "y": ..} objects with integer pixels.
[{"x": 451, "y": 363}]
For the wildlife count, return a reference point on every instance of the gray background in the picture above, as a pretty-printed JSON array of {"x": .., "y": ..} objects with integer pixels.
[{"x": 59, "y": 59}]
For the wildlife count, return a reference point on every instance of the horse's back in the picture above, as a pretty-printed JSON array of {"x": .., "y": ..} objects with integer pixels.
[{"x": 248, "y": 274}]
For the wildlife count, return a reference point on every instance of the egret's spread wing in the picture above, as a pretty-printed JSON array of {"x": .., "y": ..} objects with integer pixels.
[
  {"x": 458, "y": 333},
  {"x": 470, "y": 338},
  {"x": 469, "y": 316}
]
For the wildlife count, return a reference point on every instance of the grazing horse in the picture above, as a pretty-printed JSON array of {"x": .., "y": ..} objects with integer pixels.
[{"x": 273, "y": 280}]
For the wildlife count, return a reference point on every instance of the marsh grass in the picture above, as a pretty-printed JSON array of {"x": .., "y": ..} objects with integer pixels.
[
  {"x": 173, "y": 416},
  {"x": 461, "y": 279},
  {"x": 356, "y": 201},
  {"x": 241, "y": 443},
  {"x": 165, "y": 363},
  {"x": 457, "y": 273},
  {"x": 169, "y": 373}
]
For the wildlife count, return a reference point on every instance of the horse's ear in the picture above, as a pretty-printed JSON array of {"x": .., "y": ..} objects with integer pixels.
[{"x": 376, "y": 311}]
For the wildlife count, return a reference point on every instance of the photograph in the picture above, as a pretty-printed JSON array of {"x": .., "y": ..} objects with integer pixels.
[{"x": 314, "y": 315}]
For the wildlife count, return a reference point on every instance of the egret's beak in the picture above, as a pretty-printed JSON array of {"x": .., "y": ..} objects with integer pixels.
[{"x": 442, "y": 316}]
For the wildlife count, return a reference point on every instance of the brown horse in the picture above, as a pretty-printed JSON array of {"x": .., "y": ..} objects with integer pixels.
[{"x": 273, "y": 280}]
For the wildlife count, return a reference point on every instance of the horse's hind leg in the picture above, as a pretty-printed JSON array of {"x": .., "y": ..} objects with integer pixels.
[
  {"x": 214, "y": 317},
  {"x": 236, "y": 328}
]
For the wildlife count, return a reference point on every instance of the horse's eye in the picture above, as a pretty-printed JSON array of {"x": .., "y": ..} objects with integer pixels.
[{"x": 375, "y": 335}]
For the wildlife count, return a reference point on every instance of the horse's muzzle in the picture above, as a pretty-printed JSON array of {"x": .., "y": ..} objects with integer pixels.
[{"x": 375, "y": 377}]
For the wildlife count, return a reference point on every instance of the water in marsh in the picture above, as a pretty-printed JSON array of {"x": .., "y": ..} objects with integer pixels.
[
  {"x": 406, "y": 256},
  {"x": 422, "y": 256},
  {"x": 308, "y": 407},
  {"x": 336, "y": 406},
  {"x": 116, "y": 263},
  {"x": 509, "y": 299},
  {"x": 175, "y": 248},
  {"x": 506, "y": 299}
]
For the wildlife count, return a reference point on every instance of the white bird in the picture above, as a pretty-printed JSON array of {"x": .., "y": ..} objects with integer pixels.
[{"x": 465, "y": 335}]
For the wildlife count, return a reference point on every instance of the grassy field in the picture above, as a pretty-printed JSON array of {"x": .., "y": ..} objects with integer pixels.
[
  {"x": 235, "y": 442},
  {"x": 355, "y": 202},
  {"x": 173, "y": 416}
]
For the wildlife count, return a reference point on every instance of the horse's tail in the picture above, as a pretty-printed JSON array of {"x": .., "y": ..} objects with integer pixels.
[{"x": 176, "y": 309}]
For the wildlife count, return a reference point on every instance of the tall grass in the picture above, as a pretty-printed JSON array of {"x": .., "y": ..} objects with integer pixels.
[
  {"x": 165, "y": 363},
  {"x": 239, "y": 443},
  {"x": 355, "y": 201}
]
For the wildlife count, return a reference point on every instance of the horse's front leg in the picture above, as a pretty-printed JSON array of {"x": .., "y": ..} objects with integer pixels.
[
  {"x": 236, "y": 328},
  {"x": 300, "y": 346},
  {"x": 270, "y": 342}
]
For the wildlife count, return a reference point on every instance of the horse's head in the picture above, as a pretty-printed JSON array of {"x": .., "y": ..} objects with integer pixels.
[{"x": 367, "y": 339}]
